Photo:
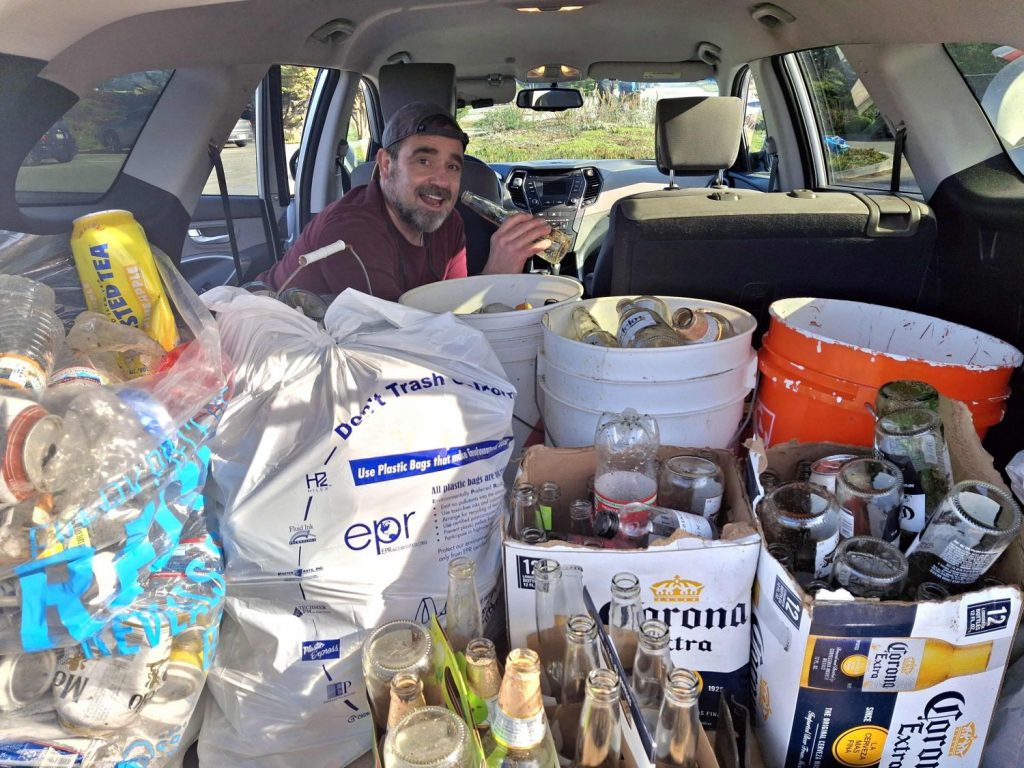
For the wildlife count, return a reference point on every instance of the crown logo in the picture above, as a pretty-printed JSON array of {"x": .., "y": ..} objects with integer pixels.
[
  {"x": 677, "y": 590},
  {"x": 963, "y": 739}
]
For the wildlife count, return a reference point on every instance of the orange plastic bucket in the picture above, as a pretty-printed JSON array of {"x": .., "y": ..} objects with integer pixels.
[{"x": 823, "y": 360}]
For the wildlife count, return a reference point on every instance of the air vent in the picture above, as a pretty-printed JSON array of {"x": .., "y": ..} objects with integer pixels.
[
  {"x": 593, "y": 185},
  {"x": 515, "y": 190}
]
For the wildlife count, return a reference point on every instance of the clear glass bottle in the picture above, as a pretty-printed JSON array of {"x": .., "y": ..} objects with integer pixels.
[
  {"x": 406, "y": 695},
  {"x": 870, "y": 496},
  {"x": 905, "y": 393},
  {"x": 525, "y": 512},
  {"x": 912, "y": 440},
  {"x": 700, "y": 326},
  {"x": 781, "y": 553},
  {"x": 494, "y": 213},
  {"x": 805, "y": 519},
  {"x": 650, "y": 669},
  {"x": 581, "y": 656},
  {"x": 520, "y": 726},
  {"x": 675, "y": 739},
  {"x": 928, "y": 591},
  {"x": 483, "y": 675},
  {"x": 653, "y": 303},
  {"x": 691, "y": 484},
  {"x": 393, "y": 647},
  {"x": 533, "y": 535},
  {"x": 641, "y": 326},
  {"x": 598, "y": 742},
  {"x": 636, "y": 524},
  {"x": 587, "y": 330},
  {"x": 463, "y": 617},
  {"x": 581, "y": 518},
  {"x": 869, "y": 567},
  {"x": 624, "y": 616},
  {"x": 572, "y": 590},
  {"x": 428, "y": 737},
  {"x": 971, "y": 528},
  {"x": 551, "y": 614},
  {"x": 549, "y": 506},
  {"x": 626, "y": 446}
]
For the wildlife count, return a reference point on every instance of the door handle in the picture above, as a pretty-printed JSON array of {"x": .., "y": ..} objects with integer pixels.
[{"x": 199, "y": 238}]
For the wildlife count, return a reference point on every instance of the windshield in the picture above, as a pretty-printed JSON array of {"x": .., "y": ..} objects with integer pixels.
[{"x": 616, "y": 121}]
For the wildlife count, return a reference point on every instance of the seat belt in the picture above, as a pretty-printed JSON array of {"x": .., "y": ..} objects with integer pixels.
[
  {"x": 897, "y": 158},
  {"x": 771, "y": 152},
  {"x": 222, "y": 185}
]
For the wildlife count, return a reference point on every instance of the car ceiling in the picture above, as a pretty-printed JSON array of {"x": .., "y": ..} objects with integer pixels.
[{"x": 87, "y": 42}]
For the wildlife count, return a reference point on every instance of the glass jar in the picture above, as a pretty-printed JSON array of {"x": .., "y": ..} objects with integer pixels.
[
  {"x": 825, "y": 470},
  {"x": 691, "y": 484},
  {"x": 905, "y": 393},
  {"x": 869, "y": 567},
  {"x": 912, "y": 440},
  {"x": 870, "y": 496},
  {"x": 397, "y": 646},
  {"x": 626, "y": 445},
  {"x": 972, "y": 527},
  {"x": 805, "y": 519},
  {"x": 428, "y": 737}
]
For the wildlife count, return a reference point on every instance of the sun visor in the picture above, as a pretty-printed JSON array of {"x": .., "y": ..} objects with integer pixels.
[
  {"x": 501, "y": 89},
  {"x": 651, "y": 71}
]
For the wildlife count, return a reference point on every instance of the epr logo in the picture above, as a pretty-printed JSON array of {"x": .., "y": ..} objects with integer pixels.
[{"x": 380, "y": 533}]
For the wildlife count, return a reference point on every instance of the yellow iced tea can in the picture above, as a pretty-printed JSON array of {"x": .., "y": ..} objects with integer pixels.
[{"x": 119, "y": 275}]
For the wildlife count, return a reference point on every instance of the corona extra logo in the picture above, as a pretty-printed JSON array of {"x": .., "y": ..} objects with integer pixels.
[
  {"x": 963, "y": 739},
  {"x": 764, "y": 701},
  {"x": 908, "y": 665},
  {"x": 677, "y": 590}
]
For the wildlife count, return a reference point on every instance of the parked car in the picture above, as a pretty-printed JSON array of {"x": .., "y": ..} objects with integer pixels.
[
  {"x": 242, "y": 133},
  {"x": 57, "y": 143}
]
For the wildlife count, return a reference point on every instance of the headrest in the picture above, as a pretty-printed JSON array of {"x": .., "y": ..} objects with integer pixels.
[
  {"x": 402, "y": 83},
  {"x": 697, "y": 133}
]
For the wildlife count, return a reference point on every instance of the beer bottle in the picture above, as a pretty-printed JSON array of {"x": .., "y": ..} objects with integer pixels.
[
  {"x": 525, "y": 513},
  {"x": 624, "y": 616},
  {"x": 520, "y": 726},
  {"x": 588, "y": 331},
  {"x": 581, "y": 514},
  {"x": 531, "y": 535},
  {"x": 675, "y": 739},
  {"x": 484, "y": 678},
  {"x": 494, "y": 213},
  {"x": 905, "y": 393},
  {"x": 551, "y": 615},
  {"x": 650, "y": 670},
  {"x": 652, "y": 303},
  {"x": 869, "y": 567},
  {"x": 463, "y": 618},
  {"x": 581, "y": 656},
  {"x": 548, "y": 505},
  {"x": 431, "y": 736},
  {"x": 699, "y": 326},
  {"x": 641, "y": 326},
  {"x": 888, "y": 664},
  {"x": 406, "y": 695},
  {"x": 598, "y": 740}
]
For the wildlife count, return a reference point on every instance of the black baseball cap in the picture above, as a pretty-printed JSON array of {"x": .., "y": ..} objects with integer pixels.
[{"x": 424, "y": 118}]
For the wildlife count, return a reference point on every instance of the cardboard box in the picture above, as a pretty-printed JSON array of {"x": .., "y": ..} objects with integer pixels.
[
  {"x": 701, "y": 589},
  {"x": 804, "y": 720}
]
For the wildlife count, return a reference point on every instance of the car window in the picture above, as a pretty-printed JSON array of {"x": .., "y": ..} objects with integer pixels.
[
  {"x": 616, "y": 121},
  {"x": 359, "y": 132},
  {"x": 995, "y": 74},
  {"x": 855, "y": 137},
  {"x": 83, "y": 152}
]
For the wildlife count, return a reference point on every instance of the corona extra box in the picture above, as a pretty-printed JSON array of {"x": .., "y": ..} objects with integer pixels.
[
  {"x": 700, "y": 588},
  {"x": 847, "y": 683}
]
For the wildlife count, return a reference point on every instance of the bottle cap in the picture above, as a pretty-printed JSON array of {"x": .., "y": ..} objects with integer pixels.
[{"x": 606, "y": 525}]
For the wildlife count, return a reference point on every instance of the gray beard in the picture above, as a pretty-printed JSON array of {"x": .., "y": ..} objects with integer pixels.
[{"x": 424, "y": 221}]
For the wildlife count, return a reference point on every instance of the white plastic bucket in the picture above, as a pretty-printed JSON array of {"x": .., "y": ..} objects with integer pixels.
[
  {"x": 696, "y": 392},
  {"x": 515, "y": 336}
]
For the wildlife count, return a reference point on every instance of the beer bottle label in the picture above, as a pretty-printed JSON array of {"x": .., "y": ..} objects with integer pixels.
[
  {"x": 518, "y": 733},
  {"x": 845, "y": 523},
  {"x": 712, "y": 506},
  {"x": 694, "y": 524},
  {"x": 823, "y": 554},
  {"x": 882, "y": 664},
  {"x": 631, "y": 326},
  {"x": 20, "y": 372},
  {"x": 912, "y": 514}
]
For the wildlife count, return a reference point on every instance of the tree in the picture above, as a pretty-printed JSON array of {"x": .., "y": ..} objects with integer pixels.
[{"x": 296, "y": 87}]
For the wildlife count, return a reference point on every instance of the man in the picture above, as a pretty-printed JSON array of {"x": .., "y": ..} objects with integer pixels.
[{"x": 403, "y": 227}]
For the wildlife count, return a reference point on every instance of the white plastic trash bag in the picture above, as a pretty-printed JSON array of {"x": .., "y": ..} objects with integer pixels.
[{"x": 349, "y": 468}]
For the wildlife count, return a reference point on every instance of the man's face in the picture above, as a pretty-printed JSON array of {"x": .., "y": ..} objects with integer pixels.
[{"x": 422, "y": 184}]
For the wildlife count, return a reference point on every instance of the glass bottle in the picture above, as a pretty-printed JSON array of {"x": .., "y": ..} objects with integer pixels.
[
  {"x": 912, "y": 440},
  {"x": 626, "y": 445},
  {"x": 805, "y": 519},
  {"x": 572, "y": 590},
  {"x": 393, "y": 647},
  {"x": 650, "y": 669},
  {"x": 675, "y": 739},
  {"x": 548, "y": 505},
  {"x": 533, "y": 535},
  {"x": 870, "y": 496},
  {"x": 868, "y": 567},
  {"x": 494, "y": 213},
  {"x": 520, "y": 726},
  {"x": 483, "y": 676},
  {"x": 691, "y": 484},
  {"x": 598, "y": 742},
  {"x": 635, "y": 524},
  {"x": 641, "y": 326},
  {"x": 525, "y": 513},
  {"x": 551, "y": 614},
  {"x": 624, "y": 617},
  {"x": 928, "y": 591},
  {"x": 581, "y": 514},
  {"x": 971, "y": 528},
  {"x": 825, "y": 470},
  {"x": 428, "y": 737},
  {"x": 587, "y": 330},
  {"x": 653, "y": 303},
  {"x": 699, "y": 326},
  {"x": 905, "y": 393},
  {"x": 406, "y": 695},
  {"x": 463, "y": 617},
  {"x": 581, "y": 656},
  {"x": 781, "y": 553}
]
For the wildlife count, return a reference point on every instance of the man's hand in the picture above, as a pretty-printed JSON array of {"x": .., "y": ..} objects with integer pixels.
[{"x": 517, "y": 239}]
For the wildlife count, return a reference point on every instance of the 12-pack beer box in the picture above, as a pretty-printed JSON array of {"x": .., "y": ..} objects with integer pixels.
[
  {"x": 843, "y": 683},
  {"x": 700, "y": 588}
]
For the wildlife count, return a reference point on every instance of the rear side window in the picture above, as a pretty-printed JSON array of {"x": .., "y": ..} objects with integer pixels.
[
  {"x": 995, "y": 74},
  {"x": 82, "y": 153}
]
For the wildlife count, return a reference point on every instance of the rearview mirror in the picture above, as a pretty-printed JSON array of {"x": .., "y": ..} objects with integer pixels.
[{"x": 549, "y": 99}]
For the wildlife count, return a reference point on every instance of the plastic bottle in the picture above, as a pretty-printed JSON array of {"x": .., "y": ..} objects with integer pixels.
[
  {"x": 626, "y": 445},
  {"x": 30, "y": 333}
]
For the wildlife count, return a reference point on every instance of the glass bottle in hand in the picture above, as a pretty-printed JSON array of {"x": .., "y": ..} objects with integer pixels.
[{"x": 494, "y": 213}]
